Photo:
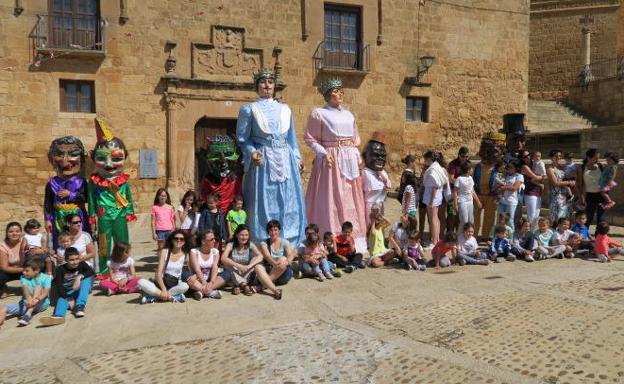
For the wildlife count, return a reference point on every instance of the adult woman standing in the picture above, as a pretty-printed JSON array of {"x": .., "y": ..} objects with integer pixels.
[
  {"x": 242, "y": 258},
  {"x": 168, "y": 284},
  {"x": 559, "y": 206},
  {"x": 265, "y": 132},
  {"x": 12, "y": 255},
  {"x": 334, "y": 192},
  {"x": 533, "y": 189},
  {"x": 436, "y": 182},
  {"x": 81, "y": 240},
  {"x": 589, "y": 188}
]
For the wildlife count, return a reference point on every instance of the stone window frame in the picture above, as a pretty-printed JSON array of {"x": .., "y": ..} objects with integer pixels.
[
  {"x": 410, "y": 110},
  {"x": 345, "y": 42},
  {"x": 64, "y": 83},
  {"x": 79, "y": 29}
]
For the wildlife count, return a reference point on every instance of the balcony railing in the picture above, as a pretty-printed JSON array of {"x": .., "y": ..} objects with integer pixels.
[
  {"x": 603, "y": 69},
  {"x": 355, "y": 58},
  {"x": 80, "y": 33}
]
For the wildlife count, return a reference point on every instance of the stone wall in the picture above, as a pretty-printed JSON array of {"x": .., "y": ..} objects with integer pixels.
[
  {"x": 601, "y": 99},
  {"x": 556, "y": 42},
  {"x": 481, "y": 73}
]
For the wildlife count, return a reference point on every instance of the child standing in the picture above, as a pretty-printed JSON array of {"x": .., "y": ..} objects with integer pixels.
[
  {"x": 236, "y": 216},
  {"x": 468, "y": 249},
  {"x": 413, "y": 254},
  {"x": 500, "y": 247},
  {"x": 213, "y": 218},
  {"x": 606, "y": 249},
  {"x": 607, "y": 179},
  {"x": 163, "y": 217},
  {"x": 186, "y": 213},
  {"x": 314, "y": 261},
  {"x": 122, "y": 277},
  {"x": 464, "y": 196},
  {"x": 546, "y": 246},
  {"x": 72, "y": 283},
  {"x": 380, "y": 255},
  {"x": 346, "y": 256},
  {"x": 523, "y": 244},
  {"x": 35, "y": 291},
  {"x": 37, "y": 244},
  {"x": 442, "y": 249}
]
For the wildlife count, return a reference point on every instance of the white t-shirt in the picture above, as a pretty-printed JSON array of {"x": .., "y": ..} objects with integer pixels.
[
  {"x": 121, "y": 270},
  {"x": 400, "y": 235},
  {"x": 34, "y": 241},
  {"x": 539, "y": 168},
  {"x": 511, "y": 197},
  {"x": 467, "y": 246},
  {"x": 81, "y": 245},
  {"x": 464, "y": 186},
  {"x": 565, "y": 236},
  {"x": 188, "y": 220}
]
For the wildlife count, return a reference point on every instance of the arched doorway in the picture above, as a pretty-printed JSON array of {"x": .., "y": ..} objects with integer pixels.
[{"x": 204, "y": 128}]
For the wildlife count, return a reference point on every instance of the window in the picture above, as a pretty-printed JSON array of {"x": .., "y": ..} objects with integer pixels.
[
  {"x": 416, "y": 109},
  {"x": 75, "y": 24},
  {"x": 343, "y": 45},
  {"x": 77, "y": 96}
]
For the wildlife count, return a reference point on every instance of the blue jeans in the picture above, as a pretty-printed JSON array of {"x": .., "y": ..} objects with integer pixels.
[
  {"x": 507, "y": 208},
  {"x": 472, "y": 259},
  {"x": 309, "y": 269},
  {"x": 80, "y": 296}
]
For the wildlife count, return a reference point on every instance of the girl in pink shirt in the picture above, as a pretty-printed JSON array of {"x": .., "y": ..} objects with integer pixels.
[
  {"x": 163, "y": 217},
  {"x": 605, "y": 248}
]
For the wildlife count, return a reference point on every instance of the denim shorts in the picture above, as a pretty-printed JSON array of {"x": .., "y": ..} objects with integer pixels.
[
  {"x": 162, "y": 235},
  {"x": 19, "y": 309}
]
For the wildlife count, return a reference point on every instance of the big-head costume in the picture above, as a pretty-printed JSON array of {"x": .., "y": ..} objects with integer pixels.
[
  {"x": 375, "y": 180},
  {"x": 109, "y": 195},
  {"x": 271, "y": 189},
  {"x": 65, "y": 193},
  {"x": 221, "y": 170}
]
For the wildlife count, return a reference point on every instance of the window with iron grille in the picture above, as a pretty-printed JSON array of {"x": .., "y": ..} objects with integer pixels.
[
  {"x": 77, "y": 96},
  {"x": 416, "y": 109},
  {"x": 75, "y": 24},
  {"x": 343, "y": 43}
]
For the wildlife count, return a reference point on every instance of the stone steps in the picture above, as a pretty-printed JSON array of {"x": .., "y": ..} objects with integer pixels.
[{"x": 553, "y": 116}]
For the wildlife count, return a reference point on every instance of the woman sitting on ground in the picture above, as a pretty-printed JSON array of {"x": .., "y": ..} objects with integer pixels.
[
  {"x": 12, "y": 256},
  {"x": 80, "y": 240},
  {"x": 205, "y": 279},
  {"x": 278, "y": 254},
  {"x": 243, "y": 259}
]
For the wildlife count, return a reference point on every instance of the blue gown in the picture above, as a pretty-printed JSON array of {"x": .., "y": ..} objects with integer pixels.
[{"x": 272, "y": 190}]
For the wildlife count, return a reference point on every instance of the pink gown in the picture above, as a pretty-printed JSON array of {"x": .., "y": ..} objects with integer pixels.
[{"x": 335, "y": 194}]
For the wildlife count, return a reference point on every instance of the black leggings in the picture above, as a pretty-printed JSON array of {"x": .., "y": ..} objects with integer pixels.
[
  {"x": 355, "y": 258},
  {"x": 5, "y": 277},
  {"x": 593, "y": 201}
]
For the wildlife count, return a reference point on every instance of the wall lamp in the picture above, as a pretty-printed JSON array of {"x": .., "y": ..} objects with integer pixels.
[{"x": 425, "y": 62}]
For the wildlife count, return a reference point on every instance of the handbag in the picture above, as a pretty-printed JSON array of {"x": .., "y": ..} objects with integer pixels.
[{"x": 169, "y": 280}]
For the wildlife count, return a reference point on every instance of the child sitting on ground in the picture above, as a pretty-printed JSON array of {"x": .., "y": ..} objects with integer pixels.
[
  {"x": 500, "y": 247},
  {"x": 523, "y": 244},
  {"x": 413, "y": 254},
  {"x": 37, "y": 244},
  {"x": 468, "y": 248},
  {"x": 443, "y": 248},
  {"x": 72, "y": 284},
  {"x": 546, "y": 246},
  {"x": 502, "y": 220},
  {"x": 35, "y": 291},
  {"x": 380, "y": 255},
  {"x": 564, "y": 236},
  {"x": 329, "y": 245},
  {"x": 607, "y": 179},
  {"x": 235, "y": 216},
  {"x": 122, "y": 277},
  {"x": 606, "y": 249},
  {"x": 581, "y": 228},
  {"x": 314, "y": 262},
  {"x": 346, "y": 256},
  {"x": 64, "y": 242}
]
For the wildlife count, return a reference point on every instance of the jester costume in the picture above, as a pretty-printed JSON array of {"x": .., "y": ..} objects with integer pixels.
[
  {"x": 65, "y": 193},
  {"x": 109, "y": 195}
]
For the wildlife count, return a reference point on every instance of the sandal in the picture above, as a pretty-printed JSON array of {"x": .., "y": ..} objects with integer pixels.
[
  {"x": 247, "y": 291},
  {"x": 278, "y": 295},
  {"x": 236, "y": 290}
]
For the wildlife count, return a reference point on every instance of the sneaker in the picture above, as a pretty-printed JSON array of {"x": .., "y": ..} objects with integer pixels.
[
  {"x": 483, "y": 262},
  {"x": 146, "y": 299},
  {"x": 462, "y": 262},
  {"x": 197, "y": 295},
  {"x": 297, "y": 274},
  {"x": 337, "y": 273},
  {"x": 349, "y": 268},
  {"x": 361, "y": 265},
  {"x": 407, "y": 266},
  {"x": 109, "y": 292},
  {"x": 421, "y": 267},
  {"x": 52, "y": 320},
  {"x": 510, "y": 258},
  {"x": 328, "y": 275},
  {"x": 497, "y": 259},
  {"x": 603, "y": 259},
  {"x": 24, "y": 320},
  {"x": 320, "y": 277},
  {"x": 80, "y": 311},
  {"x": 179, "y": 298},
  {"x": 569, "y": 255},
  {"x": 215, "y": 294},
  {"x": 529, "y": 258}
]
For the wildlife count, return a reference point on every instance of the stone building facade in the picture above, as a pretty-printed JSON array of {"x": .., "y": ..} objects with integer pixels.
[
  {"x": 556, "y": 42},
  {"x": 166, "y": 73}
]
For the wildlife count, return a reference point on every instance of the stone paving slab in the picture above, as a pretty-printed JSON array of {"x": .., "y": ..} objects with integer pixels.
[{"x": 608, "y": 288}]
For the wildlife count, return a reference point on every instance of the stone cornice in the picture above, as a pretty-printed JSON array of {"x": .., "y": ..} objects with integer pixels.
[{"x": 554, "y": 6}]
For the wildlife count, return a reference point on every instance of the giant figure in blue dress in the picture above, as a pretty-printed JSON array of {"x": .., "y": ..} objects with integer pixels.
[{"x": 272, "y": 188}]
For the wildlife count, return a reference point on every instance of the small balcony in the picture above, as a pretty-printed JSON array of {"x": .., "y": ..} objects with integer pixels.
[
  {"x": 77, "y": 35},
  {"x": 342, "y": 58}
]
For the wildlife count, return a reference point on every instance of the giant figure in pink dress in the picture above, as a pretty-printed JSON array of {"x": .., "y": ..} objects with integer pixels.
[{"x": 334, "y": 192}]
